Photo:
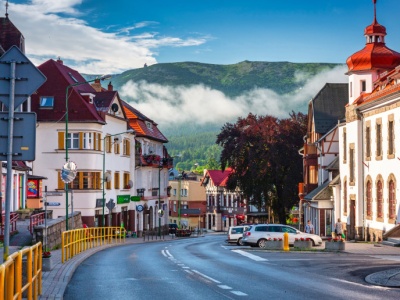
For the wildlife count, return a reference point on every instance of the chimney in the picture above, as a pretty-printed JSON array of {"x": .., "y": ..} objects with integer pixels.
[
  {"x": 110, "y": 86},
  {"x": 60, "y": 61}
]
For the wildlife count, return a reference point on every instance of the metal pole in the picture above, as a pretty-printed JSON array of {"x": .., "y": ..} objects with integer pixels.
[
  {"x": 72, "y": 209},
  {"x": 159, "y": 199},
  {"x": 104, "y": 179},
  {"x": 66, "y": 155},
  {"x": 45, "y": 218},
  {"x": 179, "y": 201},
  {"x": 9, "y": 161}
]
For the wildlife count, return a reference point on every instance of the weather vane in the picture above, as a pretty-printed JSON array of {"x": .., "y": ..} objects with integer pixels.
[{"x": 7, "y": 9}]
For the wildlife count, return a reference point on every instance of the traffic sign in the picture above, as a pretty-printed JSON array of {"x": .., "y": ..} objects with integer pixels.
[
  {"x": 110, "y": 204},
  {"x": 139, "y": 208},
  {"x": 28, "y": 78},
  {"x": 52, "y": 203}
]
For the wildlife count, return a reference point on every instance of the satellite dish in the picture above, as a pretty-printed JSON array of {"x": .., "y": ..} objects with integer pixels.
[
  {"x": 68, "y": 172},
  {"x": 117, "y": 139},
  {"x": 130, "y": 183},
  {"x": 114, "y": 107},
  {"x": 107, "y": 177}
]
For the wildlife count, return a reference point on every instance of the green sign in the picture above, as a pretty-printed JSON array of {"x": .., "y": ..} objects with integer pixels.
[
  {"x": 122, "y": 199},
  {"x": 135, "y": 198}
]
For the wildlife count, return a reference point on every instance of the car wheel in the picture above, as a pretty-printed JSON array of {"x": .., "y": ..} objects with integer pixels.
[
  {"x": 261, "y": 243},
  {"x": 313, "y": 243},
  {"x": 239, "y": 242}
]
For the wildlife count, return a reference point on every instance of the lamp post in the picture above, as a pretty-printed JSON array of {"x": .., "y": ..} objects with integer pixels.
[
  {"x": 159, "y": 197},
  {"x": 179, "y": 199},
  {"x": 66, "y": 133},
  {"x": 104, "y": 169}
]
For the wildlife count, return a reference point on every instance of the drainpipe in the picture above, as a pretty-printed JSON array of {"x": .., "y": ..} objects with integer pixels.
[{"x": 360, "y": 115}]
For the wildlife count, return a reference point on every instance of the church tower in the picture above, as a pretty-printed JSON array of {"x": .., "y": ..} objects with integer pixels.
[
  {"x": 10, "y": 35},
  {"x": 365, "y": 66}
]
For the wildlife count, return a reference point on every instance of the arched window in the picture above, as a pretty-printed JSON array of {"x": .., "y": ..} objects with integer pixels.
[
  {"x": 369, "y": 199},
  {"x": 392, "y": 200},
  {"x": 379, "y": 199},
  {"x": 345, "y": 198}
]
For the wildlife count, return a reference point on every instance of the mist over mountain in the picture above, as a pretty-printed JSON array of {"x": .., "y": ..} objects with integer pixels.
[{"x": 191, "y": 101}]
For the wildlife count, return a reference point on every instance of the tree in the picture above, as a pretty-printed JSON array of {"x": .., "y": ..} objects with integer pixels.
[{"x": 263, "y": 153}]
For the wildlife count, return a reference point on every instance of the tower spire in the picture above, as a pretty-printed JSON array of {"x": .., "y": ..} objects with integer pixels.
[
  {"x": 374, "y": 1},
  {"x": 7, "y": 9}
]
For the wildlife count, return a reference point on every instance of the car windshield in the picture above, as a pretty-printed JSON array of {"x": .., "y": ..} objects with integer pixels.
[{"x": 288, "y": 229}]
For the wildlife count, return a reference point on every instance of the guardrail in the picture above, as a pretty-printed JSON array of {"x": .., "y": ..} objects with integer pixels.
[
  {"x": 76, "y": 241},
  {"x": 13, "y": 224},
  {"x": 18, "y": 281},
  {"x": 35, "y": 220}
]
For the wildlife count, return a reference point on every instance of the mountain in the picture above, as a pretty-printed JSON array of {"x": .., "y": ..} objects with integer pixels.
[
  {"x": 196, "y": 143},
  {"x": 232, "y": 80}
]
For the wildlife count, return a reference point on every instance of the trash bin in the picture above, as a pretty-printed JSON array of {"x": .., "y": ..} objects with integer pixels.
[{"x": 134, "y": 234}]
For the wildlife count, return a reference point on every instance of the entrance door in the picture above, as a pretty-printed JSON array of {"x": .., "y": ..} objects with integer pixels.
[{"x": 352, "y": 230}]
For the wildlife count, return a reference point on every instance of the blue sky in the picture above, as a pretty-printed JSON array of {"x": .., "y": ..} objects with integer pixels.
[
  {"x": 209, "y": 31},
  {"x": 109, "y": 37}
]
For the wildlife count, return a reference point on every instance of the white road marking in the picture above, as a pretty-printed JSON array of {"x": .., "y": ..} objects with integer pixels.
[
  {"x": 205, "y": 276},
  {"x": 225, "y": 287},
  {"x": 249, "y": 255},
  {"x": 387, "y": 257},
  {"x": 238, "y": 293},
  {"x": 359, "y": 284}
]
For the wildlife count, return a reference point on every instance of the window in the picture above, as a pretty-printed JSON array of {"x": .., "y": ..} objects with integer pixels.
[
  {"x": 344, "y": 145},
  {"x": 313, "y": 175},
  {"x": 368, "y": 142},
  {"x": 127, "y": 147},
  {"x": 174, "y": 192},
  {"x": 116, "y": 180},
  {"x": 351, "y": 89},
  {"x": 363, "y": 85},
  {"x": 84, "y": 180},
  {"x": 149, "y": 125},
  {"x": 73, "y": 140},
  {"x": 116, "y": 148},
  {"x": 108, "y": 182},
  {"x": 392, "y": 200},
  {"x": 174, "y": 207},
  {"x": 88, "y": 140},
  {"x": 352, "y": 165},
  {"x": 126, "y": 181},
  {"x": 46, "y": 102},
  {"x": 379, "y": 140},
  {"x": 379, "y": 199},
  {"x": 369, "y": 199},
  {"x": 391, "y": 138}
]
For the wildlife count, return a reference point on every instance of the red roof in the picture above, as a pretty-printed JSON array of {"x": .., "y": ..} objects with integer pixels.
[
  {"x": 137, "y": 121},
  {"x": 218, "y": 177},
  {"x": 59, "y": 77}
]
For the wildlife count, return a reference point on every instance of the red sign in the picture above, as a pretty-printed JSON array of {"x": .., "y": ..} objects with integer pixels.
[{"x": 33, "y": 188}]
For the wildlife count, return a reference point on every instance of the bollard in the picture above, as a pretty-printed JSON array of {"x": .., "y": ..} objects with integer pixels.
[{"x": 285, "y": 241}]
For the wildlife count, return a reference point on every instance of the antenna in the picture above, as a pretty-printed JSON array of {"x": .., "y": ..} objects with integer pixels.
[{"x": 7, "y": 9}]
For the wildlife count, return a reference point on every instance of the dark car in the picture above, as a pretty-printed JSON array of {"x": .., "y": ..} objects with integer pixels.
[{"x": 172, "y": 228}]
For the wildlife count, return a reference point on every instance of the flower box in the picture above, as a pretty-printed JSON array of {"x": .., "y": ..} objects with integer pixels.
[
  {"x": 47, "y": 264},
  {"x": 303, "y": 244},
  {"x": 335, "y": 245},
  {"x": 273, "y": 245}
]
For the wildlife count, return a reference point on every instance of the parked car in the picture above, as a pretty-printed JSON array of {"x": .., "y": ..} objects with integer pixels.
[
  {"x": 172, "y": 228},
  {"x": 257, "y": 235},
  {"x": 235, "y": 234}
]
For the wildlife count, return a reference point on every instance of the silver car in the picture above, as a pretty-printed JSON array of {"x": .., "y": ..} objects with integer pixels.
[{"x": 257, "y": 235}]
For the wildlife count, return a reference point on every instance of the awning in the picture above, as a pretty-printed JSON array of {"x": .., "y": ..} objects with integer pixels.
[{"x": 323, "y": 192}]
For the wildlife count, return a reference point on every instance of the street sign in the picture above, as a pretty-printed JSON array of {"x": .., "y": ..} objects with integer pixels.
[
  {"x": 139, "y": 208},
  {"x": 28, "y": 78},
  {"x": 68, "y": 172},
  {"x": 24, "y": 136},
  {"x": 54, "y": 194},
  {"x": 52, "y": 203},
  {"x": 110, "y": 204}
]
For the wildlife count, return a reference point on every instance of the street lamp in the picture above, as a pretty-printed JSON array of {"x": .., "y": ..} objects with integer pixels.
[
  {"x": 104, "y": 168},
  {"x": 159, "y": 197},
  {"x": 66, "y": 133}
]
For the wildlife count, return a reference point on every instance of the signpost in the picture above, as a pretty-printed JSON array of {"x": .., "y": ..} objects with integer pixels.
[{"x": 19, "y": 79}]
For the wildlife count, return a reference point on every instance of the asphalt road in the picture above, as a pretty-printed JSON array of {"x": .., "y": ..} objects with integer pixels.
[{"x": 207, "y": 268}]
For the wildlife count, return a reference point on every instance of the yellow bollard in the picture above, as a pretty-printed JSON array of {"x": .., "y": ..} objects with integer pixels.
[{"x": 285, "y": 241}]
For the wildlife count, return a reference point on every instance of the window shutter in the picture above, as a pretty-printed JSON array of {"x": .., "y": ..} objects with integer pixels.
[
  {"x": 80, "y": 140},
  {"x": 61, "y": 140},
  {"x": 95, "y": 141},
  {"x": 60, "y": 182},
  {"x": 99, "y": 142}
]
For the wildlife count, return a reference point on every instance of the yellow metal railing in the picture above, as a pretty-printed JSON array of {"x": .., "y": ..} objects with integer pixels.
[
  {"x": 16, "y": 280},
  {"x": 76, "y": 241}
]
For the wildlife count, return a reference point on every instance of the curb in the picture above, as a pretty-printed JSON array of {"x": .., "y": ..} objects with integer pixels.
[{"x": 388, "y": 278}]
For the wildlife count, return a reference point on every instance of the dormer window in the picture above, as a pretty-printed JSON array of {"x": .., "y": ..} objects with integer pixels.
[
  {"x": 149, "y": 125},
  {"x": 72, "y": 76},
  {"x": 46, "y": 102},
  {"x": 363, "y": 85}
]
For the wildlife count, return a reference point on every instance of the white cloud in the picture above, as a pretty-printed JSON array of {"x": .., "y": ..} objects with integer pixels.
[
  {"x": 49, "y": 34},
  {"x": 201, "y": 104}
]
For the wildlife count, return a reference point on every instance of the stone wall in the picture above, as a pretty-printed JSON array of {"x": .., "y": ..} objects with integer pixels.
[{"x": 54, "y": 230}]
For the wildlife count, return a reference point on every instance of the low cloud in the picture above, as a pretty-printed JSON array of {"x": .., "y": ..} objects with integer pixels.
[
  {"x": 54, "y": 28},
  {"x": 200, "y": 104}
]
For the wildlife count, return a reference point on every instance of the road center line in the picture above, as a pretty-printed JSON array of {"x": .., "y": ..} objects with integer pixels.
[
  {"x": 205, "y": 276},
  {"x": 249, "y": 255}
]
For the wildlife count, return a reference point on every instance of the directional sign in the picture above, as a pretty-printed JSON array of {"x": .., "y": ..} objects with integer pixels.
[
  {"x": 28, "y": 77},
  {"x": 54, "y": 194},
  {"x": 52, "y": 203},
  {"x": 139, "y": 208},
  {"x": 110, "y": 204}
]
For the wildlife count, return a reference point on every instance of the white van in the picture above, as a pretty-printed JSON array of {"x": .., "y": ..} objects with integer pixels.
[{"x": 235, "y": 234}]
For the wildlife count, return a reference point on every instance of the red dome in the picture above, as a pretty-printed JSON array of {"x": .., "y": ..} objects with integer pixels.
[{"x": 375, "y": 28}]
